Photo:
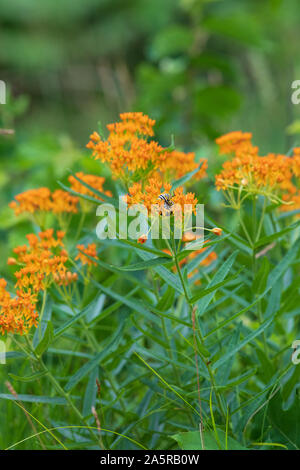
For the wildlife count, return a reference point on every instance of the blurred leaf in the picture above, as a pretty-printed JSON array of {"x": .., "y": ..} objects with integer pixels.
[
  {"x": 192, "y": 441},
  {"x": 175, "y": 39}
]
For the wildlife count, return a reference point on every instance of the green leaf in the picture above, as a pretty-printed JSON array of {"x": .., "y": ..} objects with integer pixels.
[
  {"x": 181, "y": 181},
  {"x": 285, "y": 421},
  {"x": 273, "y": 277},
  {"x": 194, "y": 245},
  {"x": 96, "y": 309},
  {"x": 143, "y": 265},
  {"x": 173, "y": 39},
  {"x": 191, "y": 440},
  {"x": 115, "y": 269},
  {"x": 90, "y": 393},
  {"x": 75, "y": 193},
  {"x": 243, "y": 343},
  {"x": 260, "y": 280},
  {"x": 244, "y": 28},
  {"x": 101, "y": 195},
  {"x": 43, "y": 322},
  {"x": 144, "y": 248},
  {"x": 101, "y": 356},
  {"x": 290, "y": 388},
  {"x": 46, "y": 341},
  {"x": 211, "y": 290},
  {"x": 34, "y": 399},
  {"x": 28, "y": 378},
  {"x": 59, "y": 331},
  {"x": 166, "y": 301},
  {"x": 166, "y": 275},
  {"x": 270, "y": 238},
  {"x": 135, "y": 304},
  {"x": 224, "y": 372},
  {"x": 216, "y": 282}
]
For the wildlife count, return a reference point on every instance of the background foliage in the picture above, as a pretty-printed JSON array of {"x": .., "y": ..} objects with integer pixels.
[{"x": 200, "y": 68}]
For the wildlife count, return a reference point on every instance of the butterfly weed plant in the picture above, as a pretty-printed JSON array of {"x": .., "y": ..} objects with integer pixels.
[{"x": 148, "y": 343}]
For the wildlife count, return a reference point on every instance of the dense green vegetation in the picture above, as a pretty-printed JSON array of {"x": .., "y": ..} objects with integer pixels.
[{"x": 138, "y": 339}]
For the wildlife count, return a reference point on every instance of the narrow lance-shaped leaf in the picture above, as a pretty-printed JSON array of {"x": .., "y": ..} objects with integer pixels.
[{"x": 90, "y": 365}]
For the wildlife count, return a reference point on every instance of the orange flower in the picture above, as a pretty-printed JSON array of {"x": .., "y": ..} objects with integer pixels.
[
  {"x": 184, "y": 199},
  {"x": 269, "y": 175},
  {"x": 17, "y": 314},
  {"x": 131, "y": 155},
  {"x": 42, "y": 199},
  {"x": 32, "y": 200},
  {"x": 177, "y": 164},
  {"x": 85, "y": 252},
  {"x": 43, "y": 262},
  {"x": 235, "y": 141},
  {"x": 127, "y": 149},
  {"x": 150, "y": 196},
  {"x": 94, "y": 181},
  {"x": 62, "y": 201}
]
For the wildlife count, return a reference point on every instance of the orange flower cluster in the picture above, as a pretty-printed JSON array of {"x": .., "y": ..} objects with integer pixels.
[
  {"x": 149, "y": 196},
  {"x": 155, "y": 187},
  {"x": 292, "y": 196},
  {"x": 17, "y": 314},
  {"x": 177, "y": 164},
  {"x": 235, "y": 141},
  {"x": 94, "y": 181},
  {"x": 132, "y": 156},
  {"x": 127, "y": 149},
  {"x": 42, "y": 262},
  {"x": 42, "y": 199},
  {"x": 184, "y": 199},
  {"x": 270, "y": 175},
  {"x": 85, "y": 252}
]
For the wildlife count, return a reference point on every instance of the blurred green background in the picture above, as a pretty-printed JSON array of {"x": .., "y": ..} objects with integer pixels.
[{"x": 200, "y": 68}]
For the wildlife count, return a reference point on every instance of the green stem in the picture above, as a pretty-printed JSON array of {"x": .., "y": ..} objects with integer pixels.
[
  {"x": 94, "y": 346},
  {"x": 42, "y": 313},
  {"x": 61, "y": 391},
  {"x": 80, "y": 225},
  {"x": 256, "y": 234},
  {"x": 261, "y": 221},
  {"x": 210, "y": 372},
  {"x": 245, "y": 230}
]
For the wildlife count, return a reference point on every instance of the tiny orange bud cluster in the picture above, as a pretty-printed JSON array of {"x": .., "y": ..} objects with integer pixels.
[
  {"x": 85, "y": 252},
  {"x": 217, "y": 231},
  {"x": 271, "y": 175},
  {"x": 42, "y": 199},
  {"x": 94, "y": 181},
  {"x": 142, "y": 239},
  {"x": 128, "y": 151},
  {"x": 42, "y": 262}
]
